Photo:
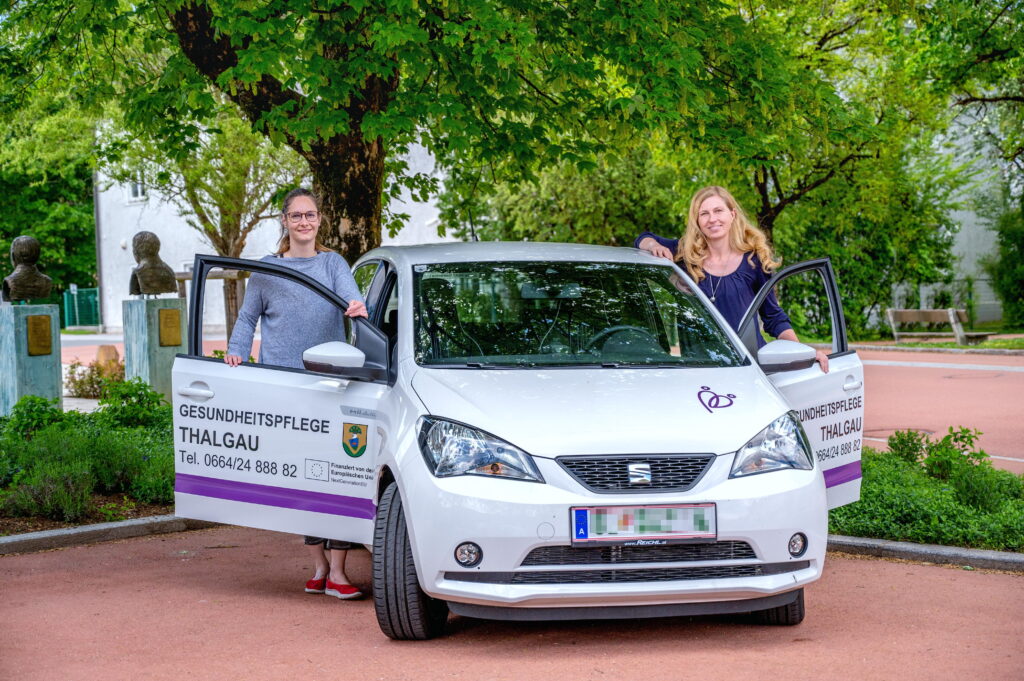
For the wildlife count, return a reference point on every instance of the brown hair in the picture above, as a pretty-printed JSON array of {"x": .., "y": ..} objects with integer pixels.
[
  {"x": 744, "y": 236},
  {"x": 285, "y": 242}
]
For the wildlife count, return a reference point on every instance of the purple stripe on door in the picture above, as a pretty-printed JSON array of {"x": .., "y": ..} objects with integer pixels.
[
  {"x": 267, "y": 495},
  {"x": 840, "y": 474}
]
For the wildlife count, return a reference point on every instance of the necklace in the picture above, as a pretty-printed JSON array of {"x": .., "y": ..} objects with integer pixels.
[{"x": 714, "y": 286}]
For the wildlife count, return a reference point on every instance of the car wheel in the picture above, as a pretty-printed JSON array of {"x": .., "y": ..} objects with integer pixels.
[
  {"x": 404, "y": 612},
  {"x": 784, "y": 615}
]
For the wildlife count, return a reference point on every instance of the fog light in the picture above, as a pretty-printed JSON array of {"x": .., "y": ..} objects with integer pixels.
[
  {"x": 797, "y": 545},
  {"x": 469, "y": 554}
]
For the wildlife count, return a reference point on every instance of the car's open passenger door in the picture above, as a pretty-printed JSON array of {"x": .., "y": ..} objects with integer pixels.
[
  {"x": 830, "y": 406},
  {"x": 273, "y": 447}
]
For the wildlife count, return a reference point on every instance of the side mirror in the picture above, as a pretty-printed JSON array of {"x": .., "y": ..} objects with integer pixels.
[
  {"x": 784, "y": 355},
  {"x": 333, "y": 357}
]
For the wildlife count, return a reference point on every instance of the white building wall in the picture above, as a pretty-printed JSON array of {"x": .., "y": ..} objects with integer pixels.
[
  {"x": 974, "y": 241},
  {"x": 119, "y": 217}
]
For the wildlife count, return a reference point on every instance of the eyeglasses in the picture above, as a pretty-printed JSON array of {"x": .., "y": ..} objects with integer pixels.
[{"x": 311, "y": 216}]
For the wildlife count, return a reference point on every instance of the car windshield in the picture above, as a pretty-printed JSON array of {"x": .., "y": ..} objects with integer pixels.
[{"x": 527, "y": 314}]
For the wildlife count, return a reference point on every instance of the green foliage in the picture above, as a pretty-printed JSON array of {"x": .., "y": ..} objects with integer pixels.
[
  {"x": 46, "y": 168},
  {"x": 952, "y": 453},
  {"x": 55, "y": 489},
  {"x": 224, "y": 186},
  {"x": 908, "y": 445},
  {"x": 88, "y": 381},
  {"x": 936, "y": 491},
  {"x": 8, "y": 467},
  {"x": 32, "y": 413},
  {"x": 133, "y": 403},
  {"x": 154, "y": 483},
  {"x": 74, "y": 455},
  {"x": 973, "y": 51},
  {"x": 496, "y": 86},
  {"x": 609, "y": 204},
  {"x": 113, "y": 511},
  {"x": 1006, "y": 266}
]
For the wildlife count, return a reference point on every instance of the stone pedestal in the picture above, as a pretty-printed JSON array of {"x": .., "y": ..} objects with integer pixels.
[
  {"x": 154, "y": 332},
  {"x": 29, "y": 354}
]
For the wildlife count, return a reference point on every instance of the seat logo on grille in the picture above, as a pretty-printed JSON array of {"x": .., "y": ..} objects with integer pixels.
[{"x": 639, "y": 473}]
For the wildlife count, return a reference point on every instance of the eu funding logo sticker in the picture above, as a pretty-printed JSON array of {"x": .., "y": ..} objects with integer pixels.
[
  {"x": 317, "y": 470},
  {"x": 355, "y": 439}
]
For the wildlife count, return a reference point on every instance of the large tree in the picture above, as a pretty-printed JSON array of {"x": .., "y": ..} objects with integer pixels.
[
  {"x": 224, "y": 187},
  {"x": 973, "y": 52},
  {"x": 870, "y": 184},
  {"x": 500, "y": 85},
  {"x": 46, "y": 171}
]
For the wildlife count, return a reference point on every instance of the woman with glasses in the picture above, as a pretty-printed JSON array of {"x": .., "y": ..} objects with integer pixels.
[
  {"x": 292, "y": 318},
  {"x": 729, "y": 258}
]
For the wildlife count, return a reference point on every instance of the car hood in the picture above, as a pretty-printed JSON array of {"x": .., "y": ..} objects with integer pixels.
[{"x": 554, "y": 412}]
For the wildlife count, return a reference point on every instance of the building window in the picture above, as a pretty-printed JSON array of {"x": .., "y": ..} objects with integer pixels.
[{"x": 137, "y": 188}]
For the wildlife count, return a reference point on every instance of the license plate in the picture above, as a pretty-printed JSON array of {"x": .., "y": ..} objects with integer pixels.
[{"x": 643, "y": 525}]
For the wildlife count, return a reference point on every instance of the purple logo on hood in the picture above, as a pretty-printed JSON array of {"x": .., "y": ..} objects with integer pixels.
[{"x": 712, "y": 400}]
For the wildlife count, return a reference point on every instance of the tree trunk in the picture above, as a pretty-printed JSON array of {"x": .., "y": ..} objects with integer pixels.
[
  {"x": 349, "y": 178},
  {"x": 348, "y": 171},
  {"x": 234, "y": 293},
  {"x": 766, "y": 221}
]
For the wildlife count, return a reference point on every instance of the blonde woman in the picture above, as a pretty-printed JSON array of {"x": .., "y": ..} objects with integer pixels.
[{"x": 729, "y": 258}]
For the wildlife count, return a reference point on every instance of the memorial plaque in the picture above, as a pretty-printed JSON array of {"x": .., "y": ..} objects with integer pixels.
[
  {"x": 40, "y": 340},
  {"x": 169, "y": 321}
]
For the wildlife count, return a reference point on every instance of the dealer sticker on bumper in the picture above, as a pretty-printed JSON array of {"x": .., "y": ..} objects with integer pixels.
[{"x": 643, "y": 525}]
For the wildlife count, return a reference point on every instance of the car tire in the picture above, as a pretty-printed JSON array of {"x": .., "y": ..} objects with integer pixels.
[
  {"x": 404, "y": 612},
  {"x": 783, "y": 615}
]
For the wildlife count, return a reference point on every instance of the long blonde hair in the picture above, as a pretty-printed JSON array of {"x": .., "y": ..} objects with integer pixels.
[
  {"x": 744, "y": 236},
  {"x": 285, "y": 242}
]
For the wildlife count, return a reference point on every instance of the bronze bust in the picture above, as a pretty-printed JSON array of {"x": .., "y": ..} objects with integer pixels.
[
  {"x": 26, "y": 282},
  {"x": 152, "y": 275}
]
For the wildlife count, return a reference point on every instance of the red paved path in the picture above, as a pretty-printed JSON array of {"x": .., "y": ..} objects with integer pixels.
[
  {"x": 227, "y": 604},
  {"x": 932, "y": 400}
]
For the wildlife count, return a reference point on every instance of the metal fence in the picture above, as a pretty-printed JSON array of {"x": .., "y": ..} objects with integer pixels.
[{"x": 82, "y": 307}]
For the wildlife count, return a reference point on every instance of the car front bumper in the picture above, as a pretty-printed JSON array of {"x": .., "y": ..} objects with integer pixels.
[{"x": 509, "y": 519}]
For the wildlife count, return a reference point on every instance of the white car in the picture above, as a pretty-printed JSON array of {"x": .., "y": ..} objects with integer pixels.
[{"x": 530, "y": 431}]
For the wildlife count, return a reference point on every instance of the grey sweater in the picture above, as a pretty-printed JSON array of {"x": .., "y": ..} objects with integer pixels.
[{"x": 293, "y": 318}]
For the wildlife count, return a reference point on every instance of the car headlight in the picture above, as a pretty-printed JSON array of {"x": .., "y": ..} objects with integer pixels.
[
  {"x": 452, "y": 448},
  {"x": 783, "y": 444}
]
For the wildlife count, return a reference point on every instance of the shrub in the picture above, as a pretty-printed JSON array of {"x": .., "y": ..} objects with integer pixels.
[
  {"x": 58, "y": 490},
  {"x": 908, "y": 445},
  {"x": 936, "y": 492},
  {"x": 88, "y": 381},
  {"x": 984, "y": 487},
  {"x": 155, "y": 482},
  {"x": 7, "y": 468},
  {"x": 30, "y": 414},
  {"x": 950, "y": 454},
  {"x": 133, "y": 403}
]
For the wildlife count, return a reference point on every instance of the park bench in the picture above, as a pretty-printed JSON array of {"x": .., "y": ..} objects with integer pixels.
[{"x": 954, "y": 318}]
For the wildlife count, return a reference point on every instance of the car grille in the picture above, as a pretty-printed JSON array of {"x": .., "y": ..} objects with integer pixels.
[
  {"x": 672, "y": 553},
  {"x": 611, "y": 474},
  {"x": 622, "y": 576}
]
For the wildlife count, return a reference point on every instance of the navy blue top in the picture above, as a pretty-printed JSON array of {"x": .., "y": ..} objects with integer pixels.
[{"x": 734, "y": 292}]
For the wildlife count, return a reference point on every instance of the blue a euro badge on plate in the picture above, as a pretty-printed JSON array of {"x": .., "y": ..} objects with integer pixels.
[
  {"x": 651, "y": 525},
  {"x": 581, "y": 523}
]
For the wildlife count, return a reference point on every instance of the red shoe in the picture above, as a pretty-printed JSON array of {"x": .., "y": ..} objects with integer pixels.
[
  {"x": 343, "y": 591},
  {"x": 316, "y": 586}
]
